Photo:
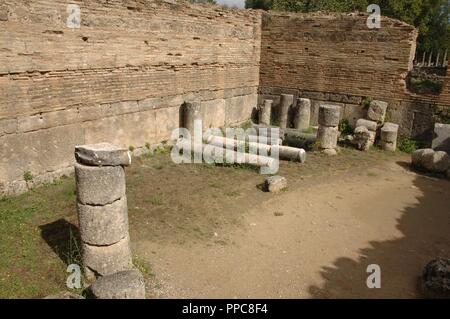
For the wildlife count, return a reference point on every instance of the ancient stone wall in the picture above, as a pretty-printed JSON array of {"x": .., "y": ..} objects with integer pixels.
[
  {"x": 120, "y": 78},
  {"x": 337, "y": 58}
]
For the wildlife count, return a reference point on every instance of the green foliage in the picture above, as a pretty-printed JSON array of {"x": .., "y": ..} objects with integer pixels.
[
  {"x": 425, "y": 85},
  {"x": 258, "y": 4},
  {"x": 345, "y": 128},
  {"x": 131, "y": 148},
  {"x": 429, "y": 16},
  {"x": 407, "y": 146},
  {"x": 366, "y": 102},
  {"x": 27, "y": 176}
]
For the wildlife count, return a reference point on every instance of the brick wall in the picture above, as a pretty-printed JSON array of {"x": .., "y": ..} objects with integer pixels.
[
  {"x": 336, "y": 58},
  {"x": 120, "y": 78}
]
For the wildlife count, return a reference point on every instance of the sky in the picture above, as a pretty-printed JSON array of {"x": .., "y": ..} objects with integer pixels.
[{"x": 233, "y": 3}]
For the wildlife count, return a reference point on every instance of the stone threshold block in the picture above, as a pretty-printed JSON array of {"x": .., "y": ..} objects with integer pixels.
[
  {"x": 99, "y": 185},
  {"x": 103, "y": 225},
  {"x": 106, "y": 260},
  {"x": 102, "y": 154},
  {"x": 128, "y": 284}
]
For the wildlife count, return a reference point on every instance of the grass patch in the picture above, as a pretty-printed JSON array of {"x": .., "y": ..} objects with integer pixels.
[{"x": 408, "y": 146}]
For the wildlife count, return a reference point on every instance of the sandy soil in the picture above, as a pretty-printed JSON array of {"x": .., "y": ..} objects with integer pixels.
[{"x": 212, "y": 233}]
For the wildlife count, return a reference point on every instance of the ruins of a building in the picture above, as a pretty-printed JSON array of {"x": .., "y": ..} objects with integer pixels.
[{"x": 124, "y": 74}]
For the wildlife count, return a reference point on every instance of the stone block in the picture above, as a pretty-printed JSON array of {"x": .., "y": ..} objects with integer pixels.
[
  {"x": 106, "y": 260},
  {"x": 362, "y": 138},
  {"x": 353, "y": 112},
  {"x": 275, "y": 184},
  {"x": 329, "y": 115},
  {"x": 377, "y": 111},
  {"x": 103, "y": 225},
  {"x": 441, "y": 141},
  {"x": 99, "y": 185},
  {"x": 417, "y": 157},
  {"x": 370, "y": 125},
  {"x": 128, "y": 284},
  {"x": 102, "y": 154}
]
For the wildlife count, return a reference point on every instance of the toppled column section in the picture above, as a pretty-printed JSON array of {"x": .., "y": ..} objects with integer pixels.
[
  {"x": 286, "y": 102},
  {"x": 328, "y": 133},
  {"x": 102, "y": 208},
  {"x": 265, "y": 111},
  {"x": 389, "y": 134},
  {"x": 302, "y": 114}
]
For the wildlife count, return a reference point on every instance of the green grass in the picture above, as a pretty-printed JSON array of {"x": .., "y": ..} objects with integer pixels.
[
  {"x": 33, "y": 255},
  {"x": 407, "y": 146}
]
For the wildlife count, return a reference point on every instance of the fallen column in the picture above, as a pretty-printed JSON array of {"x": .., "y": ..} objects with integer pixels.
[
  {"x": 102, "y": 208},
  {"x": 302, "y": 114},
  {"x": 328, "y": 133},
  {"x": 265, "y": 111},
  {"x": 286, "y": 102}
]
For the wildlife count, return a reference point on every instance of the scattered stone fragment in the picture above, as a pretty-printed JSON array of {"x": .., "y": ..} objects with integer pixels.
[
  {"x": 441, "y": 142},
  {"x": 102, "y": 154},
  {"x": 370, "y": 125},
  {"x": 362, "y": 138},
  {"x": 436, "y": 279},
  {"x": 377, "y": 111},
  {"x": 275, "y": 184},
  {"x": 127, "y": 284},
  {"x": 437, "y": 162},
  {"x": 417, "y": 157}
]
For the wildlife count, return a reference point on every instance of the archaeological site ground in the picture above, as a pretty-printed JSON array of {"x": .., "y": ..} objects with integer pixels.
[{"x": 170, "y": 149}]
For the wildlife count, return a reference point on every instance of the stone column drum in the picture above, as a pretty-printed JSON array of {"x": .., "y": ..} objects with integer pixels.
[
  {"x": 265, "y": 111},
  {"x": 302, "y": 114},
  {"x": 102, "y": 208},
  {"x": 389, "y": 134},
  {"x": 328, "y": 132},
  {"x": 286, "y": 101}
]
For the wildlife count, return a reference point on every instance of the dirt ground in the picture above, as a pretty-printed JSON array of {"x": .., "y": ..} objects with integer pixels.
[
  {"x": 212, "y": 233},
  {"x": 201, "y": 231}
]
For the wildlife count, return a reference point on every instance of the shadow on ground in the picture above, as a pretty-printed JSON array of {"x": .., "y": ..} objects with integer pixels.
[
  {"x": 426, "y": 235},
  {"x": 64, "y": 239}
]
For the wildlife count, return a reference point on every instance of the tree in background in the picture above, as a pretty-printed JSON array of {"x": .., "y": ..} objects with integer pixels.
[
  {"x": 258, "y": 4},
  {"x": 431, "y": 17}
]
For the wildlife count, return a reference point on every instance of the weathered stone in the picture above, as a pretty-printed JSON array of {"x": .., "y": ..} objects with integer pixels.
[
  {"x": 377, "y": 111},
  {"x": 265, "y": 111},
  {"x": 329, "y": 115},
  {"x": 370, "y": 125},
  {"x": 286, "y": 102},
  {"x": 103, "y": 225},
  {"x": 427, "y": 161},
  {"x": 289, "y": 153},
  {"x": 275, "y": 184},
  {"x": 417, "y": 157},
  {"x": 436, "y": 279},
  {"x": 389, "y": 134},
  {"x": 441, "y": 162},
  {"x": 441, "y": 142},
  {"x": 330, "y": 152},
  {"x": 99, "y": 185},
  {"x": 102, "y": 154},
  {"x": 106, "y": 260},
  {"x": 302, "y": 114},
  {"x": 128, "y": 284},
  {"x": 327, "y": 137},
  {"x": 362, "y": 138},
  {"x": 191, "y": 113}
]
